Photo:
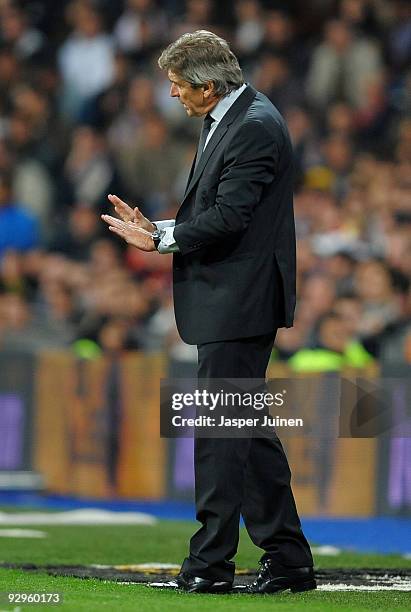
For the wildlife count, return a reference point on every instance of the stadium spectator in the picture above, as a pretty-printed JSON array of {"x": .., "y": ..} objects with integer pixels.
[
  {"x": 149, "y": 168},
  {"x": 89, "y": 172},
  {"x": 317, "y": 296},
  {"x": 16, "y": 31},
  {"x": 141, "y": 28},
  {"x": 381, "y": 307},
  {"x": 10, "y": 74},
  {"x": 400, "y": 36},
  {"x": 102, "y": 110},
  {"x": 127, "y": 124},
  {"x": 305, "y": 141},
  {"x": 83, "y": 112},
  {"x": 18, "y": 229},
  {"x": 341, "y": 67},
  {"x": 249, "y": 30},
  {"x": 340, "y": 120},
  {"x": 349, "y": 308},
  {"x": 22, "y": 331},
  {"x": 274, "y": 78},
  {"x": 198, "y": 15},
  {"x": 280, "y": 39},
  {"x": 333, "y": 350},
  {"x": 86, "y": 59},
  {"x": 75, "y": 236}
]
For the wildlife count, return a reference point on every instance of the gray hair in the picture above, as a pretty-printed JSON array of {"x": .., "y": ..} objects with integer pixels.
[{"x": 202, "y": 56}]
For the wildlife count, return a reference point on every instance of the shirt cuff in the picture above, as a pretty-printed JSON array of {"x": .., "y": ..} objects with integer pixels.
[
  {"x": 167, "y": 243},
  {"x": 163, "y": 224}
]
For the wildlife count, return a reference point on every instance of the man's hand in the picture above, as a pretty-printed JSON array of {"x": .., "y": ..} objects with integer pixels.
[
  {"x": 130, "y": 232},
  {"x": 128, "y": 214}
]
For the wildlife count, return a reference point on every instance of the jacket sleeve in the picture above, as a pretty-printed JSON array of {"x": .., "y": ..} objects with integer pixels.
[
  {"x": 164, "y": 223},
  {"x": 250, "y": 163}
]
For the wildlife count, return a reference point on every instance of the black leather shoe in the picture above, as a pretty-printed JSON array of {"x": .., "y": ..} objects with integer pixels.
[
  {"x": 195, "y": 584},
  {"x": 273, "y": 577}
]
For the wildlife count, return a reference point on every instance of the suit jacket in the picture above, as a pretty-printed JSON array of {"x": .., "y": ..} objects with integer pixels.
[{"x": 234, "y": 274}]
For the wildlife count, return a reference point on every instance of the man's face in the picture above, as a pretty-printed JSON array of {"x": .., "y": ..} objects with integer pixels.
[
  {"x": 334, "y": 335},
  {"x": 196, "y": 100}
]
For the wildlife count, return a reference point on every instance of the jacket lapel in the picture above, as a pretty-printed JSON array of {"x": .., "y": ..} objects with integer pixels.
[{"x": 243, "y": 101}]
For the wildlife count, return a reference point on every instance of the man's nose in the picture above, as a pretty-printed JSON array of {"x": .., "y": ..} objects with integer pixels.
[{"x": 174, "y": 90}]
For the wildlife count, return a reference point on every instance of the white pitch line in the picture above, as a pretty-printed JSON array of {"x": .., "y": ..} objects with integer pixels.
[
  {"x": 22, "y": 533},
  {"x": 322, "y": 587},
  {"x": 82, "y": 516},
  {"x": 364, "y": 587},
  {"x": 326, "y": 551}
]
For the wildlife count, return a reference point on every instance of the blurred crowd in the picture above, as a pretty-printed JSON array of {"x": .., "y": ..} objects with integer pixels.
[{"x": 84, "y": 111}]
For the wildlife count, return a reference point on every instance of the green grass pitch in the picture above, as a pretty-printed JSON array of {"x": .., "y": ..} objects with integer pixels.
[{"x": 166, "y": 543}]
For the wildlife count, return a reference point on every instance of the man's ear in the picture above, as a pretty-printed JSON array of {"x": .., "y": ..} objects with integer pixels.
[{"x": 209, "y": 90}]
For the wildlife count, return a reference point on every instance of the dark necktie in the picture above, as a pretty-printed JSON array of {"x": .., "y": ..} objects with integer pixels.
[{"x": 205, "y": 130}]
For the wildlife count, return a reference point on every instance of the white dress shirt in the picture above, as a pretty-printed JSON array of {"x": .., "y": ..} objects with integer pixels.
[{"x": 167, "y": 243}]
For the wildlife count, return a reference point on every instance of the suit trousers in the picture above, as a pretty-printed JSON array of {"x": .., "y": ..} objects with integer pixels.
[{"x": 242, "y": 476}]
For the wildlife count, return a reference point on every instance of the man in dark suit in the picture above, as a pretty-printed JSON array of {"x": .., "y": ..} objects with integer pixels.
[{"x": 233, "y": 241}]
